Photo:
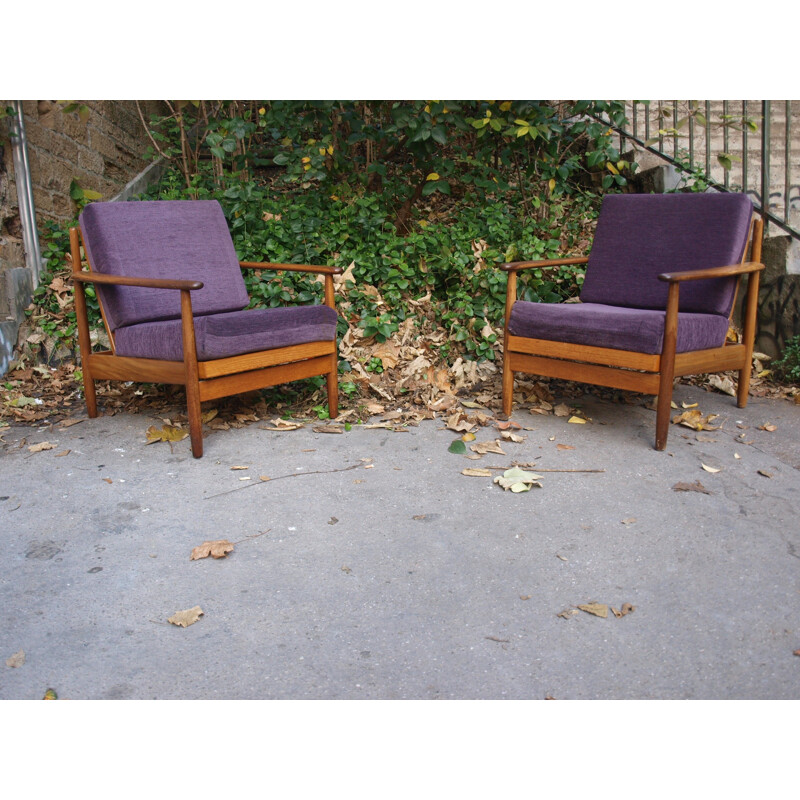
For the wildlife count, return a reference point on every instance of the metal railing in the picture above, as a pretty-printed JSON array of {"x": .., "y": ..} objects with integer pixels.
[{"x": 749, "y": 146}]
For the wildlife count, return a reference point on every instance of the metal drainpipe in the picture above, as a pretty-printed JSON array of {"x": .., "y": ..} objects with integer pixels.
[{"x": 27, "y": 209}]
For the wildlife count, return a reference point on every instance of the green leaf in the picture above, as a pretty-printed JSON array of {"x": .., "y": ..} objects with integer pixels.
[
  {"x": 438, "y": 135},
  {"x": 458, "y": 447}
]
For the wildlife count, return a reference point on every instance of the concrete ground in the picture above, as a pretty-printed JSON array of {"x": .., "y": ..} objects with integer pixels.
[{"x": 368, "y": 566}]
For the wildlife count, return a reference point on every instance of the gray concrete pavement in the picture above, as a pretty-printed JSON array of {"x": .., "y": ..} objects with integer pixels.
[{"x": 369, "y": 567}]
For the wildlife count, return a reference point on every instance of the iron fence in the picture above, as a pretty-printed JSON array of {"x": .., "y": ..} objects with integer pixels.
[{"x": 748, "y": 146}]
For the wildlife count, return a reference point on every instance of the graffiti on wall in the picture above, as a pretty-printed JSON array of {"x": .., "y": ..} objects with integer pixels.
[{"x": 778, "y": 314}]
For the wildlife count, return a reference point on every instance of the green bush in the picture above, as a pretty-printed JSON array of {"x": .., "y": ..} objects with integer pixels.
[{"x": 787, "y": 368}]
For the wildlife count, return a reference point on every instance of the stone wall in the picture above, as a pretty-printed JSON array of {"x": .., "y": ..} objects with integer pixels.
[{"x": 102, "y": 153}]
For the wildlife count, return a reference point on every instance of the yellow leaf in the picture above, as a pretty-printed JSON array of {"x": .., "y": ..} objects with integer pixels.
[
  {"x": 169, "y": 433},
  {"x": 598, "y": 609},
  {"x": 305, "y": 159},
  {"x": 505, "y": 106},
  {"x": 186, "y": 618},
  {"x": 434, "y": 176},
  {"x": 468, "y": 437},
  {"x": 322, "y": 151},
  {"x": 577, "y": 420},
  {"x": 552, "y": 184},
  {"x": 330, "y": 150},
  {"x": 612, "y": 168}
]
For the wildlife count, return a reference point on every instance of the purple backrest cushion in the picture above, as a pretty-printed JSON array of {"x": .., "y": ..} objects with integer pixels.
[
  {"x": 178, "y": 239},
  {"x": 640, "y": 236}
]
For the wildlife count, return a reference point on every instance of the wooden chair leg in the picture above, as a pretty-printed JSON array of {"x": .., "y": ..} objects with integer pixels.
[
  {"x": 191, "y": 380},
  {"x": 195, "y": 418},
  {"x": 332, "y": 380},
  {"x": 743, "y": 387},
  {"x": 663, "y": 411},
  {"x": 89, "y": 393},
  {"x": 508, "y": 387},
  {"x": 667, "y": 367}
]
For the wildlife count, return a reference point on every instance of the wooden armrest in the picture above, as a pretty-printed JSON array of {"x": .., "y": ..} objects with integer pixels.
[
  {"x": 712, "y": 272},
  {"x": 146, "y": 283},
  {"x": 291, "y": 267},
  {"x": 516, "y": 266}
]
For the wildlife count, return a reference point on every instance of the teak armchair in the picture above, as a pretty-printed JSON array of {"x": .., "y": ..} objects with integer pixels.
[
  {"x": 173, "y": 298},
  {"x": 656, "y": 302}
]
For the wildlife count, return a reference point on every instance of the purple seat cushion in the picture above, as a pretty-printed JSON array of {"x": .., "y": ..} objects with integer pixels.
[
  {"x": 179, "y": 239},
  {"x": 229, "y": 334},
  {"x": 640, "y": 330},
  {"x": 641, "y": 236}
]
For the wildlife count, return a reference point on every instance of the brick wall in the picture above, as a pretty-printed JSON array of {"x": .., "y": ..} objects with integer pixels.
[{"x": 102, "y": 153}]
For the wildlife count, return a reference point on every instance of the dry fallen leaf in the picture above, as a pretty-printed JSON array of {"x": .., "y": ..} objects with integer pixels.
[
  {"x": 239, "y": 467},
  {"x": 627, "y": 608},
  {"x": 216, "y": 549},
  {"x": 512, "y": 437},
  {"x": 525, "y": 597},
  {"x": 690, "y": 487},
  {"x": 17, "y": 660},
  {"x": 168, "y": 433},
  {"x": 282, "y": 425},
  {"x": 477, "y": 473},
  {"x": 37, "y": 448},
  {"x": 567, "y": 613},
  {"x": 518, "y": 480},
  {"x": 509, "y": 425},
  {"x": 765, "y": 473},
  {"x": 487, "y": 447},
  {"x": 578, "y": 420},
  {"x": 564, "y": 447},
  {"x": 598, "y": 609},
  {"x": 328, "y": 429},
  {"x": 724, "y": 383},
  {"x": 629, "y": 521},
  {"x": 186, "y": 618},
  {"x": 767, "y": 427},
  {"x": 62, "y": 454},
  {"x": 710, "y": 469},
  {"x": 695, "y": 420}
]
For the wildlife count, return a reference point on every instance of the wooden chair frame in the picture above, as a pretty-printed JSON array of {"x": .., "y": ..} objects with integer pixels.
[
  {"x": 203, "y": 380},
  {"x": 631, "y": 370}
]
